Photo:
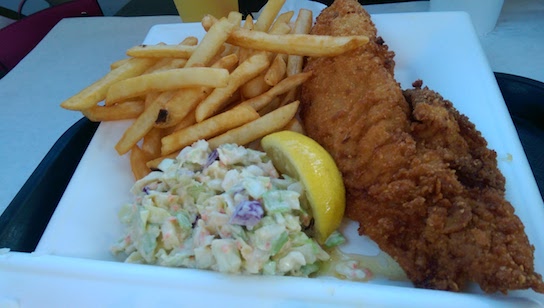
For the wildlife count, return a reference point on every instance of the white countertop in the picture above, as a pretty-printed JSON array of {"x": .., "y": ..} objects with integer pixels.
[{"x": 79, "y": 50}]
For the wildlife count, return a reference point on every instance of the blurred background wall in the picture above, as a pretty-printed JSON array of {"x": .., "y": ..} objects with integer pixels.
[{"x": 109, "y": 7}]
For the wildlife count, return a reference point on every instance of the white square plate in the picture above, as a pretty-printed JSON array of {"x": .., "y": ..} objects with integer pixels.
[{"x": 73, "y": 254}]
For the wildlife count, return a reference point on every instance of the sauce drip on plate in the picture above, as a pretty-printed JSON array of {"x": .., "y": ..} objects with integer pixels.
[{"x": 359, "y": 267}]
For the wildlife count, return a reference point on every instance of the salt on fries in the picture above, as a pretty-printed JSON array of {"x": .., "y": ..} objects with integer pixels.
[{"x": 238, "y": 84}]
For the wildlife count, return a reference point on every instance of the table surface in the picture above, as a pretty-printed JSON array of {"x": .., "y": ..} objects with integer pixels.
[{"x": 78, "y": 51}]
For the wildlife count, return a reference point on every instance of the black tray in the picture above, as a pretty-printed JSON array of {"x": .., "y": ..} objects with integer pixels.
[
  {"x": 25, "y": 219},
  {"x": 524, "y": 98}
]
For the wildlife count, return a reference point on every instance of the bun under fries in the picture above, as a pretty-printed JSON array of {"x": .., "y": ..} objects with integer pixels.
[{"x": 236, "y": 85}]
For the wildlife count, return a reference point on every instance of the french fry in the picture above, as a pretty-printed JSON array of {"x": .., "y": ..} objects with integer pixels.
[
  {"x": 244, "y": 53},
  {"x": 280, "y": 23},
  {"x": 174, "y": 63},
  {"x": 187, "y": 121},
  {"x": 138, "y": 160},
  {"x": 227, "y": 62},
  {"x": 259, "y": 85},
  {"x": 139, "y": 128},
  {"x": 218, "y": 56},
  {"x": 161, "y": 51},
  {"x": 271, "y": 106},
  {"x": 189, "y": 41},
  {"x": 268, "y": 14},
  {"x": 242, "y": 74},
  {"x": 284, "y": 18},
  {"x": 151, "y": 97},
  {"x": 249, "y": 23},
  {"x": 211, "y": 43},
  {"x": 97, "y": 91},
  {"x": 185, "y": 100},
  {"x": 166, "y": 64},
  {"x": 281, "y": 28},
  {"x": 276, "y": 71},
  {"x": 208, "y": 21},
  {"x": 288, "y": 97},
  {"x": 151, "y": 144},
  {"x": 295, "y": 125},
  {"x": 182, "y": 103},
  {"x": 254, "y": 87},
  {"x": 258, "y": 128},
  {"x": 235, "y": 18},
  {"x": 208, "y": 128},
  {"x": 118, "y": 63},
  {"x": 291, "y": 82},
  {"x": 154, "y": 163},
  {"x": 165, "y": 81},
  {"x": 123, "y": 111},
  {"x": 162, "y": 99},
  {"x": 303, "y": 25},
  {"x": 160, "y": 63},
  {"x": 229, "y": 50},
  {"x": 296, "y": 44}
]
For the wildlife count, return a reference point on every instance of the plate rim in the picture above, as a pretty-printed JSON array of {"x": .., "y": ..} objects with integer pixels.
[{"x": 383, "y": 15}]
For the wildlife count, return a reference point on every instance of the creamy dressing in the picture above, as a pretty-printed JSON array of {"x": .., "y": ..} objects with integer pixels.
[
  {"x": 226, "y": 210},
  {"x": 359, "y": 267}
]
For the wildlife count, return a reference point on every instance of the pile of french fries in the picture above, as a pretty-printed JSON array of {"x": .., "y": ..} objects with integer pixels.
[{"x": 238, "y": 84}]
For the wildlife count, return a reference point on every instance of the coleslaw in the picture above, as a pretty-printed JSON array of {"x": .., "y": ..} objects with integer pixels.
[{"x": 226, "y": 210}]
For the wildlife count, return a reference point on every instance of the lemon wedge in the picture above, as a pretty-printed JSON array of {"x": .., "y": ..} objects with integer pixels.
[{"x": 302, "y": 158}]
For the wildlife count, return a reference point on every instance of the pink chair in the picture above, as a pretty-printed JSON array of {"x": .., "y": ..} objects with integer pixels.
[{"x": 20, "y": 37}]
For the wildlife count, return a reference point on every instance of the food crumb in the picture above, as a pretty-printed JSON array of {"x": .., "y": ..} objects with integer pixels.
[{"x": 508, "y": 158}]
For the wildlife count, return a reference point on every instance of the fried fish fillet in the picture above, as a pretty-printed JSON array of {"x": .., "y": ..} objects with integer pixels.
[{"x": 419, "y": 177}]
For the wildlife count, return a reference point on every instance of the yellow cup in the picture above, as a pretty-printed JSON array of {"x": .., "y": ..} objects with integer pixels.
[{"x": 194, "y": 10}]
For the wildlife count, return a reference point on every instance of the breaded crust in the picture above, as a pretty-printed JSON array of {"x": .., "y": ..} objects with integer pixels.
[{"x": 419, "y": 177}]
